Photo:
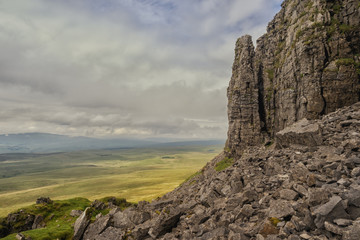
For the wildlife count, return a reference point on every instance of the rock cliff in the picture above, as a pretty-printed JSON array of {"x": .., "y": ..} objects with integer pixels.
[
  {"x": 291, "y": 165},
  {"x": 305, "y": 66},
  {"x": 306, "y": 186}
]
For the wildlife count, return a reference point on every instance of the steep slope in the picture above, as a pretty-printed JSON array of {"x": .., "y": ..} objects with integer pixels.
[
  {"x": 306, "y": 65},
  {"x": 304, "y": 186}
]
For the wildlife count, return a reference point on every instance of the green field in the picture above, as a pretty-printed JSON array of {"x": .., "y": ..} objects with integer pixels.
[{"x": 134, "y": 174}]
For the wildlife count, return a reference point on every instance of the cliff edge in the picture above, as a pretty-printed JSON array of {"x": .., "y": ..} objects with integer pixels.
[{"x": 305, "y": 66}]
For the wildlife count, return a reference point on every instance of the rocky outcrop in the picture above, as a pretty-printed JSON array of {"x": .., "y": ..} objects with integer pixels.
[
  {"x": 304, "y": 189},
  {"x": 286, "y": 91},
  {"x": 305, "y": 66},
  {"x": 21, "y": 220}
]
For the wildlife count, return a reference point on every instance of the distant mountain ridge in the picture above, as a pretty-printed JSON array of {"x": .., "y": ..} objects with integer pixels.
[{"x": 46, "y": 143}]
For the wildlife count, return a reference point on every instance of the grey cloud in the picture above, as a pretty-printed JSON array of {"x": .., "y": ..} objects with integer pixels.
[{"x": 121, "y": 67}]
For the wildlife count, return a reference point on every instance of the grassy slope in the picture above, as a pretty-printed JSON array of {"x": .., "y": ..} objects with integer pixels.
[
  {"x": 57, "y": 216},
  {"x": 135, "y": 174}
]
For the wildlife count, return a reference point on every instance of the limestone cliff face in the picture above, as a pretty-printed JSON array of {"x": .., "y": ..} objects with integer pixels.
[{"x": 305, "y": 66}]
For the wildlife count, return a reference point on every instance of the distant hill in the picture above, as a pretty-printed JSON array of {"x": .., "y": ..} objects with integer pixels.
[{"x": 46, "y": 143}]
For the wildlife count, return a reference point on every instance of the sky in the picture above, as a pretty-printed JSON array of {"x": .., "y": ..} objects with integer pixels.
[{"x": 122, "y": 68}]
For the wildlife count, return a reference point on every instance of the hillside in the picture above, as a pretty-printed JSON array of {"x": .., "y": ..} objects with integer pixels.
[
  {"x": 283, "y": 174},
  {"x": 290, "y": 168}
]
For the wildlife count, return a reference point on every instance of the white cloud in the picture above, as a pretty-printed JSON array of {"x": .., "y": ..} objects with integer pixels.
[{"x": 143, "y": 67}]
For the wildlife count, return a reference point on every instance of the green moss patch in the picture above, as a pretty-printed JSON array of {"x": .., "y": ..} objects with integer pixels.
[
  {"x": 56, "y": 217},
  {"x": 223, "y": 164}
]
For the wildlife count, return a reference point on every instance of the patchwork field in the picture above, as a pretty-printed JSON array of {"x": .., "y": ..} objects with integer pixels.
[{"x": 134, "y": 174}]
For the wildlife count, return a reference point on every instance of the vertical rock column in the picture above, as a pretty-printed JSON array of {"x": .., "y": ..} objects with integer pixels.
[{"x": 243, "y": 96}]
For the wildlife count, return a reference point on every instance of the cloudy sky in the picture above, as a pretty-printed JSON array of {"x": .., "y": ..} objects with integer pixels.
[{"x": 110, "y": 68}]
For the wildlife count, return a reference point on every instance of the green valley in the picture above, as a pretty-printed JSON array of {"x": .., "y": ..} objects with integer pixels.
[{"x": 135, "y": 174}]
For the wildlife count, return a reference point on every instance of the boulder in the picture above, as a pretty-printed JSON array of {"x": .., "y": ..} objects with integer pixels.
[
  {"x": 96, "y": 228},
  {"x": 303, "y": 132},
  {"x": 280, "y": 208},
  {"x": 44, "y": 200},
  {"x": 81, "y": 224}
]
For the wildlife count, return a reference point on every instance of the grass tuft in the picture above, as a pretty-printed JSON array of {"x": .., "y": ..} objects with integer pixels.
[{"x": 223, "y": 164}]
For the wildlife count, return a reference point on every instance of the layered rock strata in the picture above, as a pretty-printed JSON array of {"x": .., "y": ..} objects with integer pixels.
[{"x": 305, "y": 66}]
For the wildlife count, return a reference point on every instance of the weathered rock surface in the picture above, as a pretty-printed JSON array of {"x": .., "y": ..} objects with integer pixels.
[
  {"x": 81, "y": 224},
  {"x": 295, "y": 191},
  {"x": 305, "y": 66}
]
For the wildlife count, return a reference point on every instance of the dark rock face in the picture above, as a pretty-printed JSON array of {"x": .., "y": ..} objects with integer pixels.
[{"x": 306, "y": 65}]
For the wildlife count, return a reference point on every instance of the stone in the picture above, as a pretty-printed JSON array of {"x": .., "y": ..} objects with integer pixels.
[
  {"x": 247, "y": 210},
  {"x": 44, "y": 200},
  {"x": 288, "y": 194},
  {"x": 317, "y": 196},
  {"x": 354, "y": 212},
  {"x": 343, "y": 222},
  {"x": 311, "y": 180},
  {"x": 326, "y": 208},
  {"x": 38, "y": 222},
  {"x": 164, "y": 225},
  {"x": 329, "y": 211},
  {"x": 302, "y": 132},
  {"x": 353, "y": 232},
  {"x": 353, "y": 195},
  {"x": 81, "y": 224},
  {"x": 96, "y": 228},
  {"x": 300, "y": 173},
  {"x": 280, "y": 209},
  {"x": 268, "y": 229},
  {"x": 20, "y": 236},
  {"x": 305, "y": 236},
  {"x": 121, "y": 220},
  {"x": 300, "y": 189},
  {"x": 333, "y": 228},
  {"x": 355, "y": 172},
  {"x": 111, "y": 233},
  {"x": 75, "y": 213},
  {"x": 98, "y": 205}
]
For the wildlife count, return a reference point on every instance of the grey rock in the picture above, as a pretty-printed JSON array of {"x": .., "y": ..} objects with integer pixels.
[
  {"x": 38, "y": 222},
  {"x": 94, "y": 229},
  {"x": 75, "y": 213},
  {"x": 353, "y": 195},
  {"x": 20, "y": 236},
  {"x": 343, "y": 222},
  {"x": 247, "y": 210},
  {"x": 280, "y": 209},
  {"x": 164, "y": 225},
  {"x": 302, "y": 132},
  {"x": 355, "y": 172},
  {"x": 326, "y": 208},
  {"x": 121, "y": 220},
  {"x": 353, "y": 232},
  {"x": 300, "y": 189},
  {"x": 354, "y": 212},
  {"x": 81, "y": 224},
  {"x": 329, "y": 211},
  {"x": 288, "y": 194},
  {"x": 44, "y": 200},
  {"x": 333, "y": 228},
  {"x": 318, "y": 196},
  {"x": 111, "y": 233}
]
